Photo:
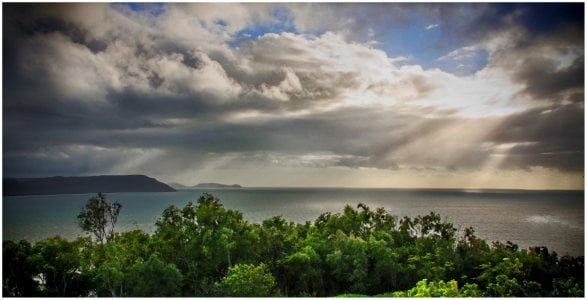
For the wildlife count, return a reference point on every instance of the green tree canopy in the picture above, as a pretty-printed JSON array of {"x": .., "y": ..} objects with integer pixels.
[
  {"x": 18, "y": 270},
  {"x": 246, "y": 280},
  {"x": 155, "y": 278},
  {"x": 208, "y": 250}
]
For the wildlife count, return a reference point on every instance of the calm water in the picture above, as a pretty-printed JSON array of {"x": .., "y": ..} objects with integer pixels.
[{"x": 529, "y": 218}]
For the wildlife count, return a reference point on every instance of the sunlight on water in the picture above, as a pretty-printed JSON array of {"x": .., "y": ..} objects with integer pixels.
[{"x": 551, "y": 220}]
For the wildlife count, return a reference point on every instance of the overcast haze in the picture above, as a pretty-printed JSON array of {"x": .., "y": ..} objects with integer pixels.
[{"x": 354, "y": 95}]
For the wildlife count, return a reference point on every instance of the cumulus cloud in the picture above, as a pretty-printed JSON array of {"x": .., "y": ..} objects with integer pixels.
[
  {"x": 161, "y": 90},
  {"x": 541, "y": 47}
]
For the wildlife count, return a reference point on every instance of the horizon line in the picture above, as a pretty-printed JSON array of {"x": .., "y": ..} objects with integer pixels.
[{"x": 381, "y": 188}]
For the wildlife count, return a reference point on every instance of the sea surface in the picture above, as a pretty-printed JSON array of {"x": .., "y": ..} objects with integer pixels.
[{"x": 554, "y": 219}]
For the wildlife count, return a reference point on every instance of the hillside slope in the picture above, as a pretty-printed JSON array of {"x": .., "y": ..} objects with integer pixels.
[{"x": 82, "y": 185}]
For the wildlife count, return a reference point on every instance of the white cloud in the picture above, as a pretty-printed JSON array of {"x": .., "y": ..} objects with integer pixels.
[
  {"x": 431, "y": 26},
  {"x": 306, "y": 71},
  {"x": 463, "y": 53}
]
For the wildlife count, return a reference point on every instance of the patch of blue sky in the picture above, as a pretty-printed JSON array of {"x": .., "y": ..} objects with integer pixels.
[
  {"x": 422, "y": 42},
  {"x": 153, "y": 8},
  {"x": 282, "y": 22},
  {"x": 221, "y": 23},
  {"x": 464, "y": 65},
  {"x": 413, "y": 41}
]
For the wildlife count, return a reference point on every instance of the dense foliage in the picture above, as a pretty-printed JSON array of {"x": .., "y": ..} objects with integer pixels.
[{"x": 207, "y": 250}]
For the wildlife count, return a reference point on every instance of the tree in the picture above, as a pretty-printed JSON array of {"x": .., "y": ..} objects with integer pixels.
[
  {"x": 59, "y": 264},
  {"x": 508, "y": 279},
  {"x": 383, "y": 262},
  {"x": 567, "y": 288},
  {"x": 110, "y": 265},
  {"x": 348, "y": 264},
  {"x": 303, "y": 274},
  {"x": 17, "y": 270},
  {"x": 471, "y": 252},
  {"x": 277, "y": 241},
  {"x": 201, "y": 240},
  {"x": 246, "y": 280},
  {"x": 154, "y": 278},
  {"x": 438, "y": 289},
  {"x": 99, "y": 217}
]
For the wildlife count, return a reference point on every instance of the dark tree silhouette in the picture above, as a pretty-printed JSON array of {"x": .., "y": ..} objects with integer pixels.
[{"x": 99, "y": 217}]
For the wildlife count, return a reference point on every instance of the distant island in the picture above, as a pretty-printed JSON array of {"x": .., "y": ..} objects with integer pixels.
[
  {"x": 207, "y": 185},
  {"x": 83, "y": 185}
]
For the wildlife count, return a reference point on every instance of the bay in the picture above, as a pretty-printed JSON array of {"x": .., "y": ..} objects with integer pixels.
[{"x": 554, "y": 219}]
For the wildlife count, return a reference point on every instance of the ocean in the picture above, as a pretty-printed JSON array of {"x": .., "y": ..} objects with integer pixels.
[{"x": 554, "y": 219}]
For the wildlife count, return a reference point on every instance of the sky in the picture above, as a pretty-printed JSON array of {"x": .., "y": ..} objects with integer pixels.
[{"x": 399, "y": 95}]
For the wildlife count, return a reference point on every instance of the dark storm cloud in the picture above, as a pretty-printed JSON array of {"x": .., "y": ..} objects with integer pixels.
[
  {"x": 544, "y": 81},
  {"x": 122, "y": 98},
  {"x": 539, "y": 156},
  {"x": 547, "y": 137},
  {"x": 75, "y": 33},
  {"x": 321, "y": 132},
  {"x": 558, "y": 124},
  {"x": 554, "y": 20},
  {"x": 479, "y": 21},
  {"x": 131, "y": 118},
  {"x": 539, "y": 35},
  {"x": 62, "y": 162},
  {"x": 31, "y": 19}
]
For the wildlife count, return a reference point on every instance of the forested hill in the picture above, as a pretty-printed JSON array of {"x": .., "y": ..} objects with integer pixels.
[{"x": 82, "y": 185}]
